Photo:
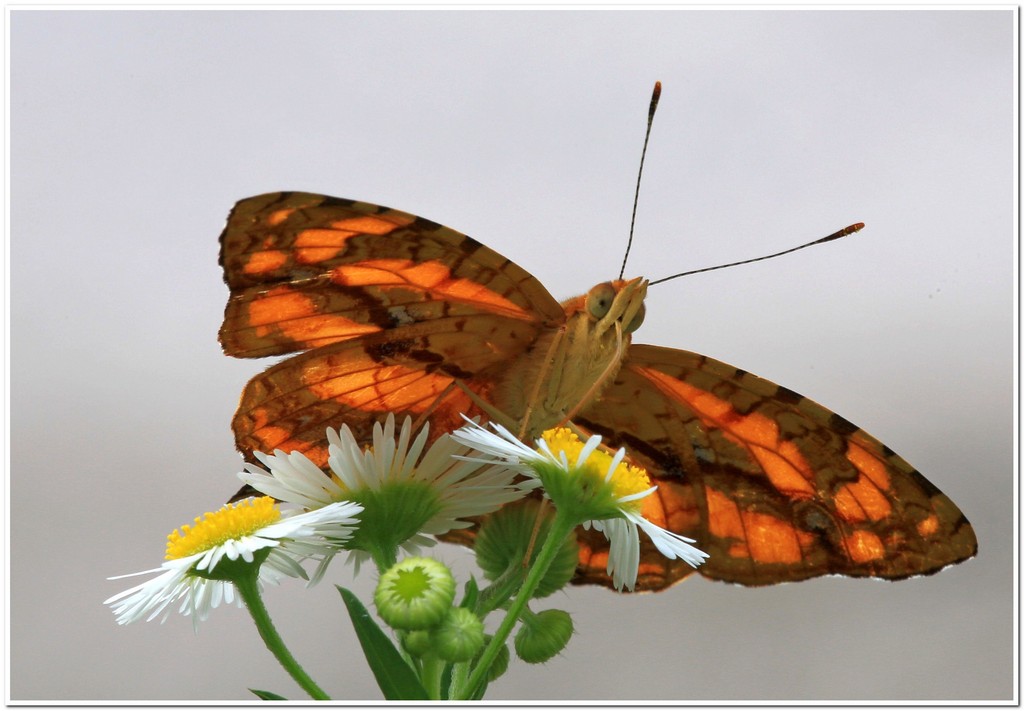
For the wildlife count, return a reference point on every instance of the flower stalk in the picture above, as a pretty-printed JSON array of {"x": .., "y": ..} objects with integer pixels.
[
  {"x": 248, "y": 590},
  {"x": 561, "y": 527}
]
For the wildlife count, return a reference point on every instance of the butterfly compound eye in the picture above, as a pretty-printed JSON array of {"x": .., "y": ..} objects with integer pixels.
[
  {"x": 599, "y": 300},
  {"x": 636, "y": 321}
]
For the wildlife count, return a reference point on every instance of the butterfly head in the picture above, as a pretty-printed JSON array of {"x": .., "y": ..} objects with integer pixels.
[{"x": 618, "y": 303}]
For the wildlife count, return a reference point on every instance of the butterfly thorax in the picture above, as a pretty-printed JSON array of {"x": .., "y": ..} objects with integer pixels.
[{"x": 567, "y": 368}]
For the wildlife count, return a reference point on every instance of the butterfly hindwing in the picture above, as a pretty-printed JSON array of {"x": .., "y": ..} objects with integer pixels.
[
  {"x": 357, "y": 382},
  {"x": 772, "y": 485}
]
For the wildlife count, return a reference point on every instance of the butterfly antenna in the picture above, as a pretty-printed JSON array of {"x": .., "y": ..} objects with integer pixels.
[
  {"x": 835, "y": 235},
  {"x": 655, "y": 95}
]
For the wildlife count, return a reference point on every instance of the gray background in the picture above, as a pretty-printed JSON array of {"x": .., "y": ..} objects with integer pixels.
[{"x": 133, "y": 133}]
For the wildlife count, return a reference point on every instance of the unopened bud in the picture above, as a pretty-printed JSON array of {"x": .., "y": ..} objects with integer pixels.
[
  {"x": 415, "y": 594},
  {"x": 543, "y": 635},
  {"x": 459, "y": 636}
]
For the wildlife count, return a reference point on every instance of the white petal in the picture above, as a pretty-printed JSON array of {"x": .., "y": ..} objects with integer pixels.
[
  {"x": 500, "y": 443},
  {"x": 669, "y": 544},
  {"x": 616, "y": 461},
  {"x": 593, "y": 442},
  {"x": 634, "y": 497},
  {"x": 623, "y": 552}
]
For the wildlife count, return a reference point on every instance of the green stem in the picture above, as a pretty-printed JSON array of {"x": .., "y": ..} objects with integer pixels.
[
  {"x": 497, "y": 593},
  {"x": 384, "y": 558},
  {"x": 459, "y": 674},
  {"x": 431, "y": 676},
  {"x": 249, "y": 590},
  {"x": 561, "y": 527}
]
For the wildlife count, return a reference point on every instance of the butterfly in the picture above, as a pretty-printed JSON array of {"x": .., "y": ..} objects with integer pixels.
[{"x": 394, "y": 313}]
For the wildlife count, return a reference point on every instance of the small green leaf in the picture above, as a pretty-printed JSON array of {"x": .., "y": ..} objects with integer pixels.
[
  {"x": 394, "y": 676},
  {"x": 267, "y": 695},
  {"x": 446, "y": 681}
]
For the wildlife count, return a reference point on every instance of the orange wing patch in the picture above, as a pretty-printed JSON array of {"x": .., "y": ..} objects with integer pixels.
[
  {"x": 282, "y": 313},
  {"x": 763, "y": 538},
  {"x": 266, "y": 431},
  {"x": 432, "y": 280},
  {"x": 315, "y": 245},
  {"x": 780, "y": 460},
  {"x": 264, "y": 262},
  {"x": 864, "y": 547},
  {"x": 364, "y": 384}
]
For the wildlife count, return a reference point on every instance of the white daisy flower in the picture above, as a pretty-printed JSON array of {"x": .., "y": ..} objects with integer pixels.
[
  {"x": 408, "y": 490},
  {"x": 203, "y": 559},
  {"x": 585, "y": 482}
]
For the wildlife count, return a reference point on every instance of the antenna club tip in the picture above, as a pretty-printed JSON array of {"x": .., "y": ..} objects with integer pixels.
[
  {"x": 655, "y": 95},
  {"x": 856, "y": 227}
]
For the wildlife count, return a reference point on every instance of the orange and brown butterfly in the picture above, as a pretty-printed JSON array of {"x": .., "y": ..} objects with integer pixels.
[{"x": 395, "y": 313}]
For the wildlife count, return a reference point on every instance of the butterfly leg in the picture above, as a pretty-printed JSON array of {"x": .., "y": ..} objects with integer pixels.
[
  {"x": 425, "y": 415},
  {"x": 492, "y": 412},
  {"x": 609, "y": 372},
  {"x": 556, "y": 369},
  {"x": 545, "y": 368},
  {"x": 541, "y": 511}
]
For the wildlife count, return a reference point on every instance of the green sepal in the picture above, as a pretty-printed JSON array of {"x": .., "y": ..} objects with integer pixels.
[
  {"x": 394, "y": 676},
  {"x": 235, "y": 570},
  {"x": 391, "y": 515},
  {"x": 471, "y": 595},
  {"x": 267, "y": 695}
]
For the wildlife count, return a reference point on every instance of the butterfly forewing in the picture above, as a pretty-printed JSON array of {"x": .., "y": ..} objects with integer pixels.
[
  {"x": 399, "y": 314},
  {"x": 308, "y": 270}
]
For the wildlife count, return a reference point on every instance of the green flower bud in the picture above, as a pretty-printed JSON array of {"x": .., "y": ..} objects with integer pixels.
[
  {"x": 543, "y": 635},
  {"x": 459, "y": 636},
  {"x": 415, "y": 594},
  {"x": 417, "y": 642},
  {"x": 505, "y": 537}
]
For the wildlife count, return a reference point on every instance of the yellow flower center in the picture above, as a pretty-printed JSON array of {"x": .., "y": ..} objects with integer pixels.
[
  {"x": 625, "y": 480},
  {"x": 216, "y": 528}
]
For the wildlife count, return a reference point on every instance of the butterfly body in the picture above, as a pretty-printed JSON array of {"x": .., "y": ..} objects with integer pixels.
[
  {"x": 394, "y": 313},
  {"x": 569, "y": 365}
]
